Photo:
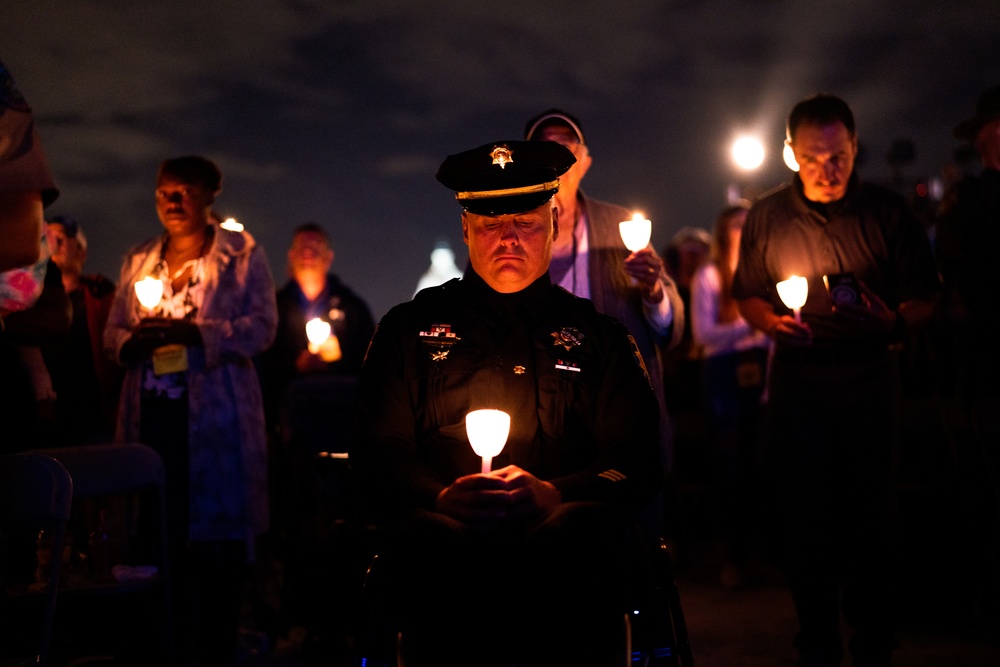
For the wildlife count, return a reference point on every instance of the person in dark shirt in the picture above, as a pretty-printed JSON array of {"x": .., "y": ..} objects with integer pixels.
[
  {"x": 832, "y": 393},
  {"x": 968, "y": 234},
  {"x": 530, "y": 559},
  {"x": 313, "y": 291},
  {"x": 87, "y": 383}
]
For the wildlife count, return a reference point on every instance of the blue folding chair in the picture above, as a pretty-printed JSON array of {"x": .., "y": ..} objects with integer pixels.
[{"x": 36, "y": 494}]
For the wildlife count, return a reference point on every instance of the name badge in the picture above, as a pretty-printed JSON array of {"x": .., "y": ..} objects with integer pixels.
[{"x": 170, "y": 359}]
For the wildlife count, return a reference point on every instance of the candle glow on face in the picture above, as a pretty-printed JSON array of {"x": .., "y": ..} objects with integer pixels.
[
  {"x": 487, "y": 431},
  {"x": 149, "y": 291},
  {"x": 635, "y": 232}
]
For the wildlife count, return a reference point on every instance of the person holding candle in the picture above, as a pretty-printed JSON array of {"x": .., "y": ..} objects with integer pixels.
[
  {"x": 313, "y": 291},
  {"x": 309, "y": 388},
  {"x": 832, "y": 393},
  {"x": 192, "y": 393},
  {"x": 590, "y": 260},
  {"x": 531, "y": 560}
]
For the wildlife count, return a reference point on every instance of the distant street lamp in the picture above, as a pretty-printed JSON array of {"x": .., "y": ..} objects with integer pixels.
[{"x": 748, "y": 153}]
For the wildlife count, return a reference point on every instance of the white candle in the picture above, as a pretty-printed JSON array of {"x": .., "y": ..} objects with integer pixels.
[
  {"x": 793, "y": 293},
  {"x": 149, "y": 291},
  {"x": 317, "y": 331},
  {"x": 488, "y": 431},
  {"x": 232, "y": 225},
  {"x": 635, "y": 232}
]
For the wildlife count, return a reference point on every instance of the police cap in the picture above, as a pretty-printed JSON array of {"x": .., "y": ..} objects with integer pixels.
[{"x": 506, "y": 177}]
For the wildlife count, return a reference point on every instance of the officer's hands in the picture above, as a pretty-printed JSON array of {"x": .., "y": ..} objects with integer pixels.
[
  {"x": 872, "y": 314},
  {"x": 477, "y": 500},
  {"x": 644, "y": 268},
  {"x": 485, "y": 501},
  {"x": 528, "y": 494}
]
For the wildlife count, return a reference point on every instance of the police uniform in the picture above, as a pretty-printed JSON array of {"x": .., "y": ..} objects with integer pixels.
[
  {"x": 583, "y": 413},
  {"x": 583, "y": 418}
]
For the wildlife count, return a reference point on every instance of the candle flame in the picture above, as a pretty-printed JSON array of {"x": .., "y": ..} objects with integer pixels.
[
  {"x": 149, "y": 291},
  {"x": 635, "y": 232},
  {"x": 793, "y": 292}
]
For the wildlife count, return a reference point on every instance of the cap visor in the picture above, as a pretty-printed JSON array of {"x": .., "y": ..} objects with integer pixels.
[{"x": 507, "y": 205}]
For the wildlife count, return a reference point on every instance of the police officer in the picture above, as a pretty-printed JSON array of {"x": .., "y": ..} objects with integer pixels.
[{"x": 548, "y": 532}]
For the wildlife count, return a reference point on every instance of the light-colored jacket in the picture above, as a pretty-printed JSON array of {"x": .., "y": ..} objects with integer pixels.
[
  {"x": 614, "y": 294},
  {"x": 226, "y": 434}
]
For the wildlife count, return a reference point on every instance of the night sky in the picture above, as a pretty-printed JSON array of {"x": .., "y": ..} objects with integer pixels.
[{"x": 340, "y": 112}]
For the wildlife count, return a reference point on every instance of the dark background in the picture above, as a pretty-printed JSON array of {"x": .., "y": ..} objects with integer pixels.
[{"x": 340, "y": 111}]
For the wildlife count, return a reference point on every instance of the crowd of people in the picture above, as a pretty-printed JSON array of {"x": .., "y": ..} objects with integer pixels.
[{"x": 594, "y": 352}]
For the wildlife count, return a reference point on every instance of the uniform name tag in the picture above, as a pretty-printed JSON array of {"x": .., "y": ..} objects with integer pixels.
[
  {"x": 170, "y": 359},
  {"x": 567, "y": 366}
]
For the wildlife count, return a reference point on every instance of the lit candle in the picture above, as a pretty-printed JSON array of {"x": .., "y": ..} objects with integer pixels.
[
  {"x": 635, "y": 232},
  {"x": 793, "y": 293},
  {"x": 488, "y": 431},
  {"x": 149, "y": 291},
  {"x": 317, "y": 331},
  {"x": 232, "y": 225}
]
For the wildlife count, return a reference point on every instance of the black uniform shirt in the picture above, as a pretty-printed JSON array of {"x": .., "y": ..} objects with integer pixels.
[
  {"x": 583, "y": 414},
  {"x": 871, "y": 233}
]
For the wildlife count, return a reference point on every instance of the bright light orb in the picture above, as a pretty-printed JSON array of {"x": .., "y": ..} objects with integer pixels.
[
  {"x": 635, "y": 232},
  {"x": 231, "y": 225},
  {"x": 748, "y": 153}
]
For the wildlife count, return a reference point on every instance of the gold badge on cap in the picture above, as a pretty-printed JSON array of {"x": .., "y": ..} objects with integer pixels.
[
  {"x": 502, "y": 156},
  {"x": 568, "y": 337}
]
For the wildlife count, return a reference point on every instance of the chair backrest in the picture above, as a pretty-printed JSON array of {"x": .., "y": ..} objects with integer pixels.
[
  {"x": 110, "y": 469},
  {"x": 37, "y": 494},
  {"x": 123, "y": 469}
]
